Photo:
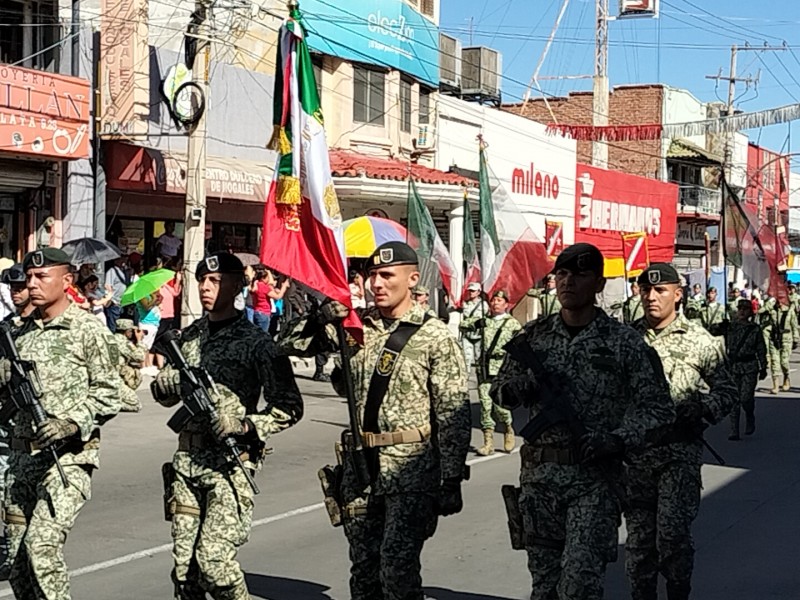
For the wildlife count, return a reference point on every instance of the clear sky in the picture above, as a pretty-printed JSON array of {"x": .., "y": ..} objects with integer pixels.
[{"x": 695, "y": 41}]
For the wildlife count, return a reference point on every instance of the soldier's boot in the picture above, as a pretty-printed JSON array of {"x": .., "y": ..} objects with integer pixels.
[
  {"x": 488, "y": 443},
  {"x": 787, "y": 385},
  {"x": 734, "y": 434},
  {"x": 774, "y": 390},
  {"x": 509, "y": 439},
  {"x": 678, "y": 591},
  {"x": 749, "y": 423}
]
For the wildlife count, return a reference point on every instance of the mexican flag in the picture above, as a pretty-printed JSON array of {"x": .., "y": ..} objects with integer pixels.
[
  {"x": 472, "y": 266},
  {"x": 754, "y": 248},
  {"x": 302, "y": 229},
  {"x": 435, "y": 262},
  {"x": 513, "y": 257}
]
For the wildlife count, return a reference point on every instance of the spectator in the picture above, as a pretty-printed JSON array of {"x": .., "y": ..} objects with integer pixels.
[
  {"x": 6, "y": 303},
  {"x": 245, "y": 301},
  {"x": 149, "y": 317},
  {"x": 89, "y": 287},
  {"x": 118, "y": 279},
  {"x": 167, "y": 245},
  {"x": 262, "y": 293},
  {"x": 75, "y": 295},
  {"x": 357, "y": 289},
  {"x": 169, "y": 292}
]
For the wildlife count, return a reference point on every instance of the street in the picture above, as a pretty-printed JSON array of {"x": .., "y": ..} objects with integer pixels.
[{"x": 120, "y": 548}]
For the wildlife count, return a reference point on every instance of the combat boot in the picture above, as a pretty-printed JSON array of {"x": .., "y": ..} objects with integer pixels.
[
  {"x": 749, "y": 424},
  {"x": 734, "y": 434},
  {"x": 678, "y": 591},
  {"x": 488, "y": 443},
  {"x": 509, "y": 439},
  {"x": 237, "y": 592},
  {"x": 787, "y": 385},
  {"x": 774, "y": 390}
]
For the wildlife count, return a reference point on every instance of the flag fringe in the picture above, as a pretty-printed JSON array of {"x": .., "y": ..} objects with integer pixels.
[
  {"x": 279, "y": 140},
  {"x": 289, "y": 190}
]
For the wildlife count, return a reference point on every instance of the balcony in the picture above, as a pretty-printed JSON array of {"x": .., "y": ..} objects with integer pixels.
[{"x": 698, "y": 200}]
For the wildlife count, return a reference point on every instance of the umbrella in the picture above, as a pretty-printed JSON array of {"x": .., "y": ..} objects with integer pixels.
[
  {"x": 90, "y": 250},
  {"x": 363, "y": 234},
  {"x": 247, "y": 258},
  {"x": 146, "y": 285},
  {"x": 793, "y": 275},
  {"x": 5, "y": 263}
]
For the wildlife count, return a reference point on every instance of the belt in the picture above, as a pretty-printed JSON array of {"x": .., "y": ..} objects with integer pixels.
[
  {"x": 536, "y": 455},
  {"x": 28, "y": 446},
  {"x": 198, "y": 440},
  {"x": 393, "y": 438}
]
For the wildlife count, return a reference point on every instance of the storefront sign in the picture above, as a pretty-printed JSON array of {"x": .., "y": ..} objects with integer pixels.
[
  {"x": 140, "y": 169},
  {"x": 124, "y": 69},
  {"x": 609, "y": 204},
  {"x": 43, "y": 114},
  {"x": 690, "y": 235}
]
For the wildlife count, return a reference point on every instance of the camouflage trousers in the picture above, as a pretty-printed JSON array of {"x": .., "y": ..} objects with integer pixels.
[
  {"x": 385, "y": 546},
  {"x": 472, "y": 350},
  {"x": 664, "y": 503},
  {"x": 570, "y": 538},
  {"x": 490, "y": 411},
  {"x": 779, "y": 358},
  {"x": 214, "y": 511},
  {"x": 40, "y": 512},
  {"x": 746, "y": 400}
]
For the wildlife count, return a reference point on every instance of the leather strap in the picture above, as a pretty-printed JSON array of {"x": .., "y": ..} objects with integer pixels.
[
  {"x": 536, "y": 455},
  {"x": 393, "y": 438}
]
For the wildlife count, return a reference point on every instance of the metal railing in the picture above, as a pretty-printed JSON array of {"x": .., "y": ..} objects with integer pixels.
[{"x": 699, "y": 200}]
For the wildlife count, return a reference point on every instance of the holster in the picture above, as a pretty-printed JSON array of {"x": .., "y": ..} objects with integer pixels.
[
  {"x": 330, "y": 478},
  {"x": 168, "y": 476},
  {"x": 516, "y": 528}
]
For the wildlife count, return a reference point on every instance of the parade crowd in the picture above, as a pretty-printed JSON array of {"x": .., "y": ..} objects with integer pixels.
[{"x": 616, "y": 412}]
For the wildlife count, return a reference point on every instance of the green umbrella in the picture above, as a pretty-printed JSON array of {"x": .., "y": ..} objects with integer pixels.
[{"x": 146, "y": 285}]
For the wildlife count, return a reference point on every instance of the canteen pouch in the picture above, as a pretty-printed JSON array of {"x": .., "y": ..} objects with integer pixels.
[
  {"x": 330, "y": 479},
  {"x": 516, "y": 529}
]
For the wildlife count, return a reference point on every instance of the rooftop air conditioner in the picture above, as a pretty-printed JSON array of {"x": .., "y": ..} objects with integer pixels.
[
  {"x": 481, "y": 69},
  {"x": 449, "y": 60}
]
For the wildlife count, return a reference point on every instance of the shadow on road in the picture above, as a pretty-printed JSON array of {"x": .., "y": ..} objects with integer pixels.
[
  {"x": 281, "y": 588},
  {"x": 444, "y": 594}
]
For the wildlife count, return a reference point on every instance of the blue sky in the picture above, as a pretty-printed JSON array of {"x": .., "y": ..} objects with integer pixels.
[{"x": 693, "y": 44}]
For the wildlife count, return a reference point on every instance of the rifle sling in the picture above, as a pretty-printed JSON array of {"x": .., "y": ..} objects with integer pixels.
[{"x": 384, "y": 367}]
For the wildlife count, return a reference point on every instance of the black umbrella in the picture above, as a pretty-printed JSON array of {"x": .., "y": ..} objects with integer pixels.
[{"x": 90, "y": 250}]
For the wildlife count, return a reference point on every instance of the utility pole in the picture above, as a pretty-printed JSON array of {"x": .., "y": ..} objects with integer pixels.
[
  {"x": 195, "y": 207},
  {"x": 600, "y": 90}
]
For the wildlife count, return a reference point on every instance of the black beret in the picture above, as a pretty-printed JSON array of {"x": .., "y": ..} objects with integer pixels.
[
  {"x": 392, "y": 254},
  {"x": 13, "y": 274},
  {"x": 658, "y": 273},
  {"x": 46, "y": 257},
  {"x": 580, "y": 257},
  {"x": 219, "y": 262}
]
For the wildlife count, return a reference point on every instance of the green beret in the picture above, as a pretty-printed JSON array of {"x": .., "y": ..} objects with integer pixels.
[
  {"x": 13, "y": 274},
  {"x": 46, "y": 257},
  {"x": 125, "y": 324},
  {"x": 392, "y": 254},
  {"x": 501, "y": 294},
  {"x": 659, "y": 273},
  {"x": 580, "y": 257},
  {"x": 421, "y": 289},
  {"x": 219, "y": 262}
]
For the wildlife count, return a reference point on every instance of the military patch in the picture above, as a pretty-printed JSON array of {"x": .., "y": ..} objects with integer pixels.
[
  {"x": 212, "y": 262},
  {"x": 386, "y": 361},
  {"x": 387, "y": 255},
  {"x": 37, "y": 258},
  {"x": 583, "y": 261},
  {"x": 654, "y": 277}
]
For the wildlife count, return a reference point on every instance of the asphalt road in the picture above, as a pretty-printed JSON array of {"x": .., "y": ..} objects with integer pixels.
[{"x": 120, "y": 548}]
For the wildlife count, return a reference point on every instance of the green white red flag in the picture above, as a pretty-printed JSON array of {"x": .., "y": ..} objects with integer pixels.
[
  {"x": 472, "y": 265},
  {"x": 302, "y": 228}
]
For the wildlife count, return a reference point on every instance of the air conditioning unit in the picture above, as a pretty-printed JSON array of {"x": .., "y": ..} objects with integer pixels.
[
  {"x": 425, "y": 137},
  {"x": 481, "y": 71},
  {"x": 449, "y": 60}
]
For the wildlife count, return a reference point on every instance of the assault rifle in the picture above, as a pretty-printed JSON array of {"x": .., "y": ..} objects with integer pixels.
[
  {"x": 557, "y": 397},
  {"x": 26, "y": 391},
  {"x": 197, "y": 400}
]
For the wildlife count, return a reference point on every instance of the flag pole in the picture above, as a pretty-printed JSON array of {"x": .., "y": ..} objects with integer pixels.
[
  {"x": 624, "y": 264},
  {"x": 481, "y": 159}
]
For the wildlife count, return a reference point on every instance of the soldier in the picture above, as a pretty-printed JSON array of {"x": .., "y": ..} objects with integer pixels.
[
  {"x": 411, "y": 394},
  {"x": 664, "y": 481},
  {"x": 497, "y": 329},
  {"x": 632, "y": 307},
  {"x": 76, "y": 361},
  {"x": 422, "y": 297},
  {"x": 131, "y": 360},
  {"x": 794, "y": 298},
  {"x": 733, "y": 304},
  {"x": 548, "y": 298},
  {"x": 14, "y": 277},
  {"x": 474, "y": 308},
  {"x": 781, "y": 323},
  {"x": 570, "y": 511},
  {"x": 712, "y": 313},
  {"x": 748, "y": 356},
  {"x": 211, "y": 502}
]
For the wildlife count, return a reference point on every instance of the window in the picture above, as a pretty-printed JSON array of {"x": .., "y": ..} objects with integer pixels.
[
  {"x": 31, "y": 25},
  {"x": 405, "y": 105},
  {"x": 427, "y": 7},
  {"x": 368, "y": 95},
  {"x": 424, "y": 106}
]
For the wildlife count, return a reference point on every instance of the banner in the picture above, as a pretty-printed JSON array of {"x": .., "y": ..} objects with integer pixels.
[
  {"x": 554, "y": 234},
  {"x": 634, "y": 253}
]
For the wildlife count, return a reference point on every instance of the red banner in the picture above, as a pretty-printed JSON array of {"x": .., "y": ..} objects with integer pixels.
[
  {"x": 554, "y": 235},
  {"x": 635, "y": 253},
  {"x": 609, "y": 204}
]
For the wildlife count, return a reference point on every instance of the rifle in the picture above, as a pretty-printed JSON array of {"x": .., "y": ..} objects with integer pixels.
[
  {"x": 26, "y": 391},
  {"x": 556, "y": 408},
  {"x": 198, "y": 400},
  {"x": 356, "y": 452}
]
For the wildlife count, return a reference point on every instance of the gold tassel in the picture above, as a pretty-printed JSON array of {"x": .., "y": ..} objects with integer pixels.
[
  {"x": 279, "y": 140},
  {"x": 288, "y": 190}
]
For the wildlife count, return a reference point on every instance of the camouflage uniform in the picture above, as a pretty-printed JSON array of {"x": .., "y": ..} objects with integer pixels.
[
  {"x": 711, "y": 316},
  {"x": 131, "y": 359},
  {"x": 632, "y": 309},
  {"x": 76, "y": 360},
  {"x": 427, "y": 390},
  {"x": 783, "y": 318},
  {"x": 664, "y": 482},
  {"x": 748, "y": 356},
  {"x": 548, "y": 302},
  {"x": 570, "y": 514},
  {"x": 212, "y": 499},
  {"x": 471, "y": 311}
]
